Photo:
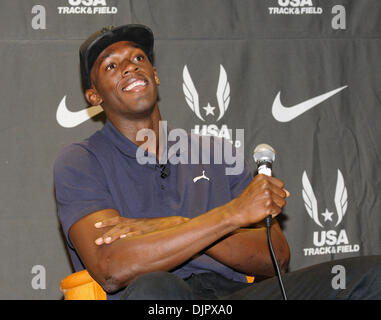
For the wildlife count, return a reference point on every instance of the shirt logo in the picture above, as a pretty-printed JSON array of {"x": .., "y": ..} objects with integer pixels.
[
  {"x": 70, "y": 119},
  {"x": 286, "y": 114},
  {"x": 203, "y": 176}
]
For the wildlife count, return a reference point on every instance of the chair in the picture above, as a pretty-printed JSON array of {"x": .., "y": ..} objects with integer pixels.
[{"x": 81, "y": 286}]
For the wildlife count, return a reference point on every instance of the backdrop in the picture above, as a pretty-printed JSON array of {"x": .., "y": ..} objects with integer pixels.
[{"x": 304, "y": 76}]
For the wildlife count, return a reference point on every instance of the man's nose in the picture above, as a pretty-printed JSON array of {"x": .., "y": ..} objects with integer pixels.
[{"x": 128, "y": 67}]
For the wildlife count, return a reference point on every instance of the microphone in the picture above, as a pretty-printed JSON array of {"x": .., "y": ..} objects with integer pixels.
[
  {"x": 165, "y": 171},
  {"x": 264, "y": 156}
]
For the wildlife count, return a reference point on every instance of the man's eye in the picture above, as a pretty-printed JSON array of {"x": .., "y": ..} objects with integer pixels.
[
  {"x": 111, "y": 66},
  {"x": 139, "y": 58}
]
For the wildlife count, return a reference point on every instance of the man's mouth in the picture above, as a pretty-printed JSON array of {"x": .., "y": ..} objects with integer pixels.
[{"x": 135, "y": 85}]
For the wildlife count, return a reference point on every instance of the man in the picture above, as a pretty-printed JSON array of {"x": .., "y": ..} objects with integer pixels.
[{"x": 146, "y": 233}]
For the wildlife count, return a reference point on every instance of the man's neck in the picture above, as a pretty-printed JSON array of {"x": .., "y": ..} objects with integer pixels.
[{"x": 130, "y": 127}]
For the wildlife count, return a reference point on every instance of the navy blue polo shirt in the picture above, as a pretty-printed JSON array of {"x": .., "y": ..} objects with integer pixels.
[{"x": 103, "y": 172}]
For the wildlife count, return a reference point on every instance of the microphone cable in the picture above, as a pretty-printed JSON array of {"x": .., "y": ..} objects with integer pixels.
[{"x": 268, "y": 222}]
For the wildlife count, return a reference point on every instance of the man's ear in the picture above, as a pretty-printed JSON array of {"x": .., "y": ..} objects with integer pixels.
[
  {"x": 157, "y": 80},
  {"x": 93, "y": 97}
]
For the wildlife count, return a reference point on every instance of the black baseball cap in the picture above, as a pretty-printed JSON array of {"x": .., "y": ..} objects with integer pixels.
[{"x": 100, "y": 40}]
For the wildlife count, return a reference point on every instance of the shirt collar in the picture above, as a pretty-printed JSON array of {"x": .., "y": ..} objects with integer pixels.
[{"x": 127, "y": 147}]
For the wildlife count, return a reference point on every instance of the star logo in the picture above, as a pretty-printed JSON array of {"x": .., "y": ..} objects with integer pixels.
[
  {"x": 209, "y": 109},
  {"x": 327, "y": 215}
]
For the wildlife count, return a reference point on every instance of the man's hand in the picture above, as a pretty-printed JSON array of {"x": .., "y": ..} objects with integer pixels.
[
  {"x": 246, "y": 249},
  {"x": 262, "y": 197},
  {"x": 128, "y": 227}
]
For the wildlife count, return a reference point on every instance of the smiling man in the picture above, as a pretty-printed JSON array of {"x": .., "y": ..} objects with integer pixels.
[{"x": 151, "y": 231}]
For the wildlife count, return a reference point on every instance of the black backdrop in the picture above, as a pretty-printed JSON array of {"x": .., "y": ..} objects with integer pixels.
[{"x": 297, "y": 49}]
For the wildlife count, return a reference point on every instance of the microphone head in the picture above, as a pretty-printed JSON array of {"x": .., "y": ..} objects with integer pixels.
[{"x": 264, "y": 153}]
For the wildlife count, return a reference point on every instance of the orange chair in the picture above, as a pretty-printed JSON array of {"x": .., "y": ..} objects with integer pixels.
[{"x": 81, "y": 286}]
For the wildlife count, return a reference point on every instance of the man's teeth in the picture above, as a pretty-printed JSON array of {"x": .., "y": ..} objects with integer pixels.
[{"x": 134, "y": 84}]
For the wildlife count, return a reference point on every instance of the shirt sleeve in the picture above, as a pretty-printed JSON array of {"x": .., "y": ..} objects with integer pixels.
[{"x": 80, "y": 186}]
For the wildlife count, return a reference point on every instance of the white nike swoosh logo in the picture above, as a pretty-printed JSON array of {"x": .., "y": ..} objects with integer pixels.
[
  {"x": 285, "y": 114},
  {"x": 70, "y": 119}
]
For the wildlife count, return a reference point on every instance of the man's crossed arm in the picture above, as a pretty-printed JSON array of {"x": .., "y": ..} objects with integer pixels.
[{"x": 116, "y": 250}]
